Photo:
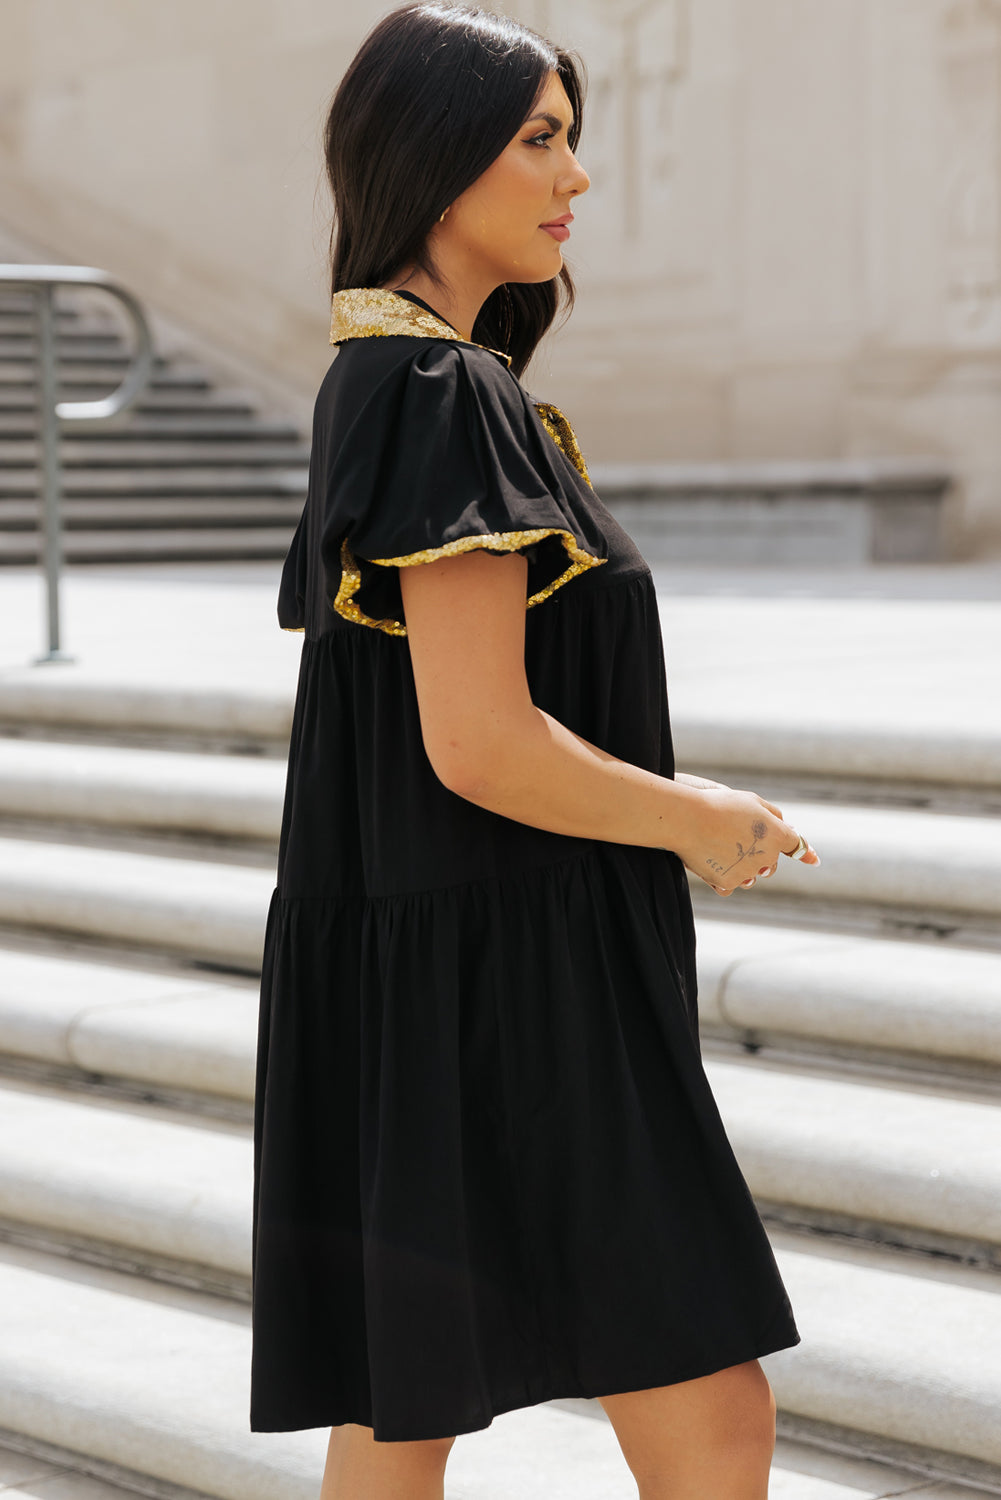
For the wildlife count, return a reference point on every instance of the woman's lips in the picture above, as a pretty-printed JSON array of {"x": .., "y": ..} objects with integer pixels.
[{"x": 558, "y": 231}]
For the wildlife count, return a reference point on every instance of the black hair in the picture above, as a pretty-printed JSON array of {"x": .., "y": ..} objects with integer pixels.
[{"x": 433, "y": 95}]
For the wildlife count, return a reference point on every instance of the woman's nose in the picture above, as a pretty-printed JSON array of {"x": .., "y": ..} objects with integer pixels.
[{"x": 582, "y": 179}]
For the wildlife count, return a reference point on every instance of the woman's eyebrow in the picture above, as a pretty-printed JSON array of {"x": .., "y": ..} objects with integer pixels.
[{"x": 553, "y": 120}]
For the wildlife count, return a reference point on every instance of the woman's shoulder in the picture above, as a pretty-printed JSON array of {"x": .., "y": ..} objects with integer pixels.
[
  {"x": 372, "y": 357},
  {"x": 392, "y": 346},
  {"x": 400, "y": 379}
]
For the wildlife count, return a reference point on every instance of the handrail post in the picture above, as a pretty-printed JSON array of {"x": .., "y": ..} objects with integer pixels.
[
  {"x": 51, "y": 485},
  {"x": 42, "y": 281}
]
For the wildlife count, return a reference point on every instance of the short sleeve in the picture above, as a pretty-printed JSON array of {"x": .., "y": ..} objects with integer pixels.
[{"x": 447, "y": 454}]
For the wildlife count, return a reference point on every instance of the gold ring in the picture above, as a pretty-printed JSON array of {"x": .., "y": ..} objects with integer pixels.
[{"x": 801, "y": 848}]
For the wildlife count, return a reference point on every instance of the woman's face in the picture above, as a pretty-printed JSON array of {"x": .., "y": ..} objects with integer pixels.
[{"x": 496, "y": 223}]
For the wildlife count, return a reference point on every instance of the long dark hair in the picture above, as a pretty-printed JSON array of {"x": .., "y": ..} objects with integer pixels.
[{"x": 432, "y": 97}]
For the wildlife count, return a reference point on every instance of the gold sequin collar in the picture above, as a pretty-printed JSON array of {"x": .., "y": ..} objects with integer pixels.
[{"x": 363, "y": 311}]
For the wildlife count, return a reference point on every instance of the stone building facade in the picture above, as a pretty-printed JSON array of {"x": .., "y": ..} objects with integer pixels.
[{"x": 791, "y": 247}]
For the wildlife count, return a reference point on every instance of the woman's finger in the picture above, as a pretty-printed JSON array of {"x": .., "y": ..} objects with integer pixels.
[{"x": 796, "y": 853}]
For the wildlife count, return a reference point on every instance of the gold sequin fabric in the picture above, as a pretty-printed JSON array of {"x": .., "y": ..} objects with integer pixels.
[
  {"x": 495, "y": 541},
  {"x": 562, "y": 434},
  {"x": 365, "y": 312}
]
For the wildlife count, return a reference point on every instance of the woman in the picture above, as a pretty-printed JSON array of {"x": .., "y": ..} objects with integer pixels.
[{"x": 489, "y": 1170}]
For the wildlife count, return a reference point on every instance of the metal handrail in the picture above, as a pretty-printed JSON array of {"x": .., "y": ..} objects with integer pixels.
[{"x": 42, "y": 280}]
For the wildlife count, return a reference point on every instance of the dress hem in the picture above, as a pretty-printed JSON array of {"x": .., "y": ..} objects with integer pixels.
[{"x": 561, "y": 1392}]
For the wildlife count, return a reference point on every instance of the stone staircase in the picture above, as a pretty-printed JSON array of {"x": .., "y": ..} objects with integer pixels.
[
  {"x": 193, "y": 471},
  {"x": 190, "y": 471},
  {"x": 851, "y": 1020}
]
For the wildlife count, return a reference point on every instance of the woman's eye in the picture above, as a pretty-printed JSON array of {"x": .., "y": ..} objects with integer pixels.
[{"x": 538, "y": 140}]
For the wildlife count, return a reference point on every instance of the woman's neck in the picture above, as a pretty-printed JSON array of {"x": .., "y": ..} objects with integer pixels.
[{"x": 459, "y": 309}]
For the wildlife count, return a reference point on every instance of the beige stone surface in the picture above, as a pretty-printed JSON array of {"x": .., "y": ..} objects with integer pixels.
[
  {"x": 214, "y": 911},
  {"x": 544, "y": 1451},
  {"x": 791, "y": 246}
]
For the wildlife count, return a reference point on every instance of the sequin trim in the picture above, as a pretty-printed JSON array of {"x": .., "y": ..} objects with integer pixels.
[
  {"x": 497, "y": 541},
  {"x": 370, "y": 312},
  {"x": 562, "y": 434},
  {"x": 361, "y": 312},
  {"x": 365, "y": 312}
]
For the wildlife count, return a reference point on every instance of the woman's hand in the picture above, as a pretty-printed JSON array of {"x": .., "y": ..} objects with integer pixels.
[
  {"x": 699, "y": 781},
  {"x": 740, "y": 838}
]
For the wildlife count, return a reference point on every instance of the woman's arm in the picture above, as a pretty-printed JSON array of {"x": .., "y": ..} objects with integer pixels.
[
  {"x": 489, "y": 743},
  {"x": 702, "y": 781}
]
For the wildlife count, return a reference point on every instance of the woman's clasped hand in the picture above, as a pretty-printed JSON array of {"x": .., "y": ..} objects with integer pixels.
[{"x": 740, "y": 837}]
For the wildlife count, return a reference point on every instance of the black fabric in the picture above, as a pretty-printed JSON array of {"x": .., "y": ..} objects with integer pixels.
[
  {"x": 422, "y": 447},
  {"x": 489, "y": 1169}
]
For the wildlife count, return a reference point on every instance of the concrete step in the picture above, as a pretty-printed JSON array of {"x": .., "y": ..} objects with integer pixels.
[
  {"x": 83, "y": 703},
  {"x": 129, "y": 1185},
  {"x": 98, "y": 352},
  {"x": 135, "y": 425},
  {"x": 236, "y": 480},
  {"x": 897, "y": 864},
  {"x": 899, "y": 1011},
  {"x": 208, "y": 544},
  {"x": 918, "y": 1168},
  {"x": 148, "y": 513},
  {"x": 196, "y": 437},
  {"x": 851, "y": 998},
  {"x": 537, "y": 1453},
  {"x": 71, "y": 344},
  {"x": 79, "y": 321},
  {"x": 14, "y": 320},
  {"x": 78, "y": 376},
  {"x": 545, "y": 1452},
  {"x": 156, "y": 1381},
  {"x": 786, "y": 511},
  {"x": 926, "y": 755},
  {"x": 151, "y": 1380},
  {"x": 200, "y": 908},
  {"x": 78, "y": 1173},
  {"x": 103, "y": 1021},
  {"x": 865, "y": 762},
  {"x": 100, "y": 450},
  {"x": 871, "y": 1162},
  {"x": 232, "y": 796},
  {"x": 71, "y": 320},
  {"x": 856, "y": 999},
  {"x": 892, "y": 1011},
  {"x": 153, "y": 402},
  {"x": 908, "y": 866},
  {"x": 897, "y": 1354}
]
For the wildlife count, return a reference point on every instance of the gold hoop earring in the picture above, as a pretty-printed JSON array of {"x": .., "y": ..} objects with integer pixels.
[{"x": 441, "y": 216}]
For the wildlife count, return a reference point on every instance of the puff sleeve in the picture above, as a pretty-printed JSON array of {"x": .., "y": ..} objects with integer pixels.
[{"x": 446, "y": 454}]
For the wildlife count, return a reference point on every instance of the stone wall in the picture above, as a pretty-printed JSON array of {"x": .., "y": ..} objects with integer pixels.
[{"x": 791, "y": 247}]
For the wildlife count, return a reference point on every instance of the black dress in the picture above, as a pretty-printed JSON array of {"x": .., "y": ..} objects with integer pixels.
[{"x": 489, "y": 1169}]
